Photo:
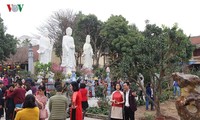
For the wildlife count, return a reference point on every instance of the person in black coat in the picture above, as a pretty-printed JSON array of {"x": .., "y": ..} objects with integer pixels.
[
  {"x": 149, "y": 94},
  {"x": 130, "y": 104}
]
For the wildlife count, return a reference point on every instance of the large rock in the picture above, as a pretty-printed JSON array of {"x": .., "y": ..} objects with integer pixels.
[{"x": 188, "y": 104}]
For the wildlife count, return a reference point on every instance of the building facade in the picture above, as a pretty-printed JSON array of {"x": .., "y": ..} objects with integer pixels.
[{"x": 195, "y": 60}]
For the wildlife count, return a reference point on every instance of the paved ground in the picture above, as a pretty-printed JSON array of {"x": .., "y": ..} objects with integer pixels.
[{"x": 86, "y": 118}]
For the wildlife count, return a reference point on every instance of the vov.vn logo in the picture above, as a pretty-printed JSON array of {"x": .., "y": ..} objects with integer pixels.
[{"x": 15, "y": 7}]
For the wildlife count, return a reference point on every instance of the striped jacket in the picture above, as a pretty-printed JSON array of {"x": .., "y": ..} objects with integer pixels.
[{"x": 57, "y": 107}]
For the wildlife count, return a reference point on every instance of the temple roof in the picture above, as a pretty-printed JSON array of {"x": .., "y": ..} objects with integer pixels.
[
  {"x": 21, "y": 55},
  {"x": 195, "y": 40}
]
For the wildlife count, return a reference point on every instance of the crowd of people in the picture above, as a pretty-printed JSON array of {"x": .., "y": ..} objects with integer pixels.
[
  {"x": 17, "y": 96},
  {"x": 20, "y": 99}
]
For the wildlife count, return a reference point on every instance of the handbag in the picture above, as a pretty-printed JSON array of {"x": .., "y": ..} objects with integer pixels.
[{"x": 43, "y": 114}]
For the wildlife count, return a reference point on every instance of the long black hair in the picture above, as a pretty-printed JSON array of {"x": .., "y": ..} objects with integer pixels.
[
  {"x": 75, "y": 86},
  {"x": 28, "y": 86},
  {"x": 41, "y": 87},
  {"x": 82, "y": 85},
  {"x": 29, "y": 101}
]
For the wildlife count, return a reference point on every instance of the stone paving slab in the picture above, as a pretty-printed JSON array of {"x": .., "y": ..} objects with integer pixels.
[{"x": 86, "y": 118}]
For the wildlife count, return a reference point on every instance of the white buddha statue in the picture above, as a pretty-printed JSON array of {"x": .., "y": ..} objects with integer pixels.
[
  {"x": 141, "y": 79},
  {"x": 44, "y": 49},
  {"x": 68, "y": 51},
  {"x": 51, "y": 49},
  {"x": 87, "y": 54}
]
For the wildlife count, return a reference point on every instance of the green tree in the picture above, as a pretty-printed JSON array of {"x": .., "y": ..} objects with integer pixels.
[
  {"x": 90, "y": 25},
  {"x": 126, "y": 47},
  {"x": 78, "y": 37},
  {"x": 43, "y": 69},
  {"x": 25, "y": 42},
  {"x": 163, "y": 49},
  {"x": 8, "y": 44},
  {"x": 157, "y": 50},
  {"x": 114, "y": 28}
]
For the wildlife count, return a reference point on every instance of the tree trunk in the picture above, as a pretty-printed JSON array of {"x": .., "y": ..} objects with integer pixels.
[
  {"x": 80, "y": 58},
  {"x": 157, "y": 102},
  {"x": 77, "y": 64},
  {"x": 98, "y": 57},
  {"x": 159, "y": 92}
]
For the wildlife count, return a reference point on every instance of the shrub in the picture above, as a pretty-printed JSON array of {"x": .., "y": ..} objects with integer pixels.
[
  {"x": 165, "y": 95},
  {"x": 59, "y": 75},
  {"x": 103, "y": 107},
  {"x": 96, "y": 110},
  {"x": 24, "y": 74},
  {"x": 140, "y": 102},
  {"x": 100, "y": 72},
  {"x": 99, "y": 91}
]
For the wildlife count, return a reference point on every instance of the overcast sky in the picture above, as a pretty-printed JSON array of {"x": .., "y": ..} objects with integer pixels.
[{"x": 167, "y": 12}]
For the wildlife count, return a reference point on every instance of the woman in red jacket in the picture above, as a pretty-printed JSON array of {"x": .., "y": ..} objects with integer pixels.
[
  {"x": 76, "y": 107},
  {"x": 84, "y": 93},
  {"x": 117, "y": 99}
]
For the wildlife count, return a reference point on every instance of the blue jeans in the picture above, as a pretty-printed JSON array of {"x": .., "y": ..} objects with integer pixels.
[
  {"x": 176, "y": 89},
  {"x": 18, "y": 105},
  {"x": 149, "y": 102}
]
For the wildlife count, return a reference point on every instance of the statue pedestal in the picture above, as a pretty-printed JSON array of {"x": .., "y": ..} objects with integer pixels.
[{"x": 87, "y": 71}]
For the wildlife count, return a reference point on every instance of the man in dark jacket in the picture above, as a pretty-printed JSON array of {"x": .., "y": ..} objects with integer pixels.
[
  {"x": 130, "y": 103},
  {"x": 149, "y": 95}
]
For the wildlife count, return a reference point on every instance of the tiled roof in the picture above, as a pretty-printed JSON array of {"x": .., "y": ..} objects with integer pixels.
[{"x": 195, "y": 40}]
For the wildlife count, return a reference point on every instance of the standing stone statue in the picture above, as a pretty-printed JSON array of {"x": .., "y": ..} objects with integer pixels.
[
  {"x": 44, "y": 49},
  {"x": 141, "y": 79},
  {"x": 68, "y": 52},
  {"x": 51, "y": 49},
  {"x": 87, "y": 54}
]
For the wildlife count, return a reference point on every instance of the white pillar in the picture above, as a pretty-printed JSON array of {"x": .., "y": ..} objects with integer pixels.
[{"x": 30, "y": 59}]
